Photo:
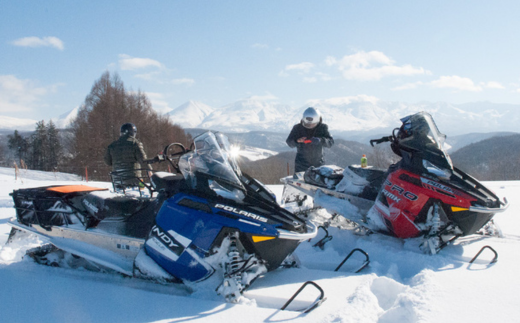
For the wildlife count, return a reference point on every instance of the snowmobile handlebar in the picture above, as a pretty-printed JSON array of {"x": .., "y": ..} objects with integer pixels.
[
  {"x": 166, "y": 155},
  {"x": 381, "y": 140},
  {"x": 156, "y": 159}
]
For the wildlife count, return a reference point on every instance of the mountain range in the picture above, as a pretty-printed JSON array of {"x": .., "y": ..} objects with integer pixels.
[{"x": 347, "y": 117}]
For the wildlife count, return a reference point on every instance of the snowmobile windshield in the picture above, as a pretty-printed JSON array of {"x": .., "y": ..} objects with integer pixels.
[
  {"x": 420, "y": 133},
  {"x": 212, "y": 158}
]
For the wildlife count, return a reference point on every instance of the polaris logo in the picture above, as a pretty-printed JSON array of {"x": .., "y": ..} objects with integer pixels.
[
  {"x": 437, "y": 185},
  {"x": 164, "y": 237},
  {"x": 90, "y": 206},
  {"x": 241, "y": 212}
]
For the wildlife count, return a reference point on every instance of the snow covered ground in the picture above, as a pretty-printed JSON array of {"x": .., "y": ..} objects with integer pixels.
[{"x": 399, "y": 285}]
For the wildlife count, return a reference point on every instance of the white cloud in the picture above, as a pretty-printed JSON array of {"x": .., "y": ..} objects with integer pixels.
[
  {"x": 260, "y": 46},
  {"x": 127, "y": 62},
  {"x": 186, "y": 81},
  {"x": 457, "y": 83},
  {"x": 408, "y": 86},
  {"x": 39, "y": 42},
  {"x": 452, "y": 82},
  {"x": 371, "y": 66},
  {"x": 324, "y": 76},
  {"x": 18, "y": 95},
  {"x": 304, "y": 67},
  {"x": 493, "y": 85},
  {"x": 310, "y": 80},
  {"x": 159, "y": 103},
  {"x": 346, "y": 100},
  {"x": 148, "y": 76}
]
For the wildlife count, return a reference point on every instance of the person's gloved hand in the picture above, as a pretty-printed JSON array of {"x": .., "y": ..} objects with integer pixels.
[{"x": 315, "y": 141}]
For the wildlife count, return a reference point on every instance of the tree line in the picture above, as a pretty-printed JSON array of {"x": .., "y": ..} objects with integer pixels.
[
  {"x": 42, "y": 150},
  {"x": 80, "y": 148}
]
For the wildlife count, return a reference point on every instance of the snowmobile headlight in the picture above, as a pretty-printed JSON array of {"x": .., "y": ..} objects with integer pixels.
[{"x": 437, "y": 171}]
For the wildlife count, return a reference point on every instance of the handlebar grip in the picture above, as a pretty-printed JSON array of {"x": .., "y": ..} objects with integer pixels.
[{"x": 378, "y": 141}]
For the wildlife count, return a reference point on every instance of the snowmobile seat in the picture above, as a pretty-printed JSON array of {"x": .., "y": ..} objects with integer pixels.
[
  {"x": 374, "y": 176},
  {"x": 167, "y": 182},
  {"x": 103, "y": 205},
  {"x": 327, "y": 176},
  {"x": 121, "y": 214}
]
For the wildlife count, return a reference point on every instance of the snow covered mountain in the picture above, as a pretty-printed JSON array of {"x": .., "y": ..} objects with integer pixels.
[
  {"x": 21, "y": 124},
  {"x": 248, "y": 115},
  {"x": 64, "y": 120},
  {"x": 9, "y": 123},
  {"x": 347, "y": 115},
  {"x": 190, "y": 114}
]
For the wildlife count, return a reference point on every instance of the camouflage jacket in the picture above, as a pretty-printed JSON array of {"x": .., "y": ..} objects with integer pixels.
[{"x": 126, "y": 154}]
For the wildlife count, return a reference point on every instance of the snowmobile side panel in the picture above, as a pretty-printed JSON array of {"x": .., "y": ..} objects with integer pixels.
[{"x": 175, "y": 256}]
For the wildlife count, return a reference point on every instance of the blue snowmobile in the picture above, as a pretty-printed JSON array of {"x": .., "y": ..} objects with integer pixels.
[{"x": 208, "y": 217}]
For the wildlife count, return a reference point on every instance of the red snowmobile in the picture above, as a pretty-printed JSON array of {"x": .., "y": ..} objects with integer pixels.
[{"x": 423, "y": 195}]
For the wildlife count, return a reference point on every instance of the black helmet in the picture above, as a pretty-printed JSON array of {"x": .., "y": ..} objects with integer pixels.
[
  {"x": 129, "y": 128},
  {"x": 311, "y": 118}
]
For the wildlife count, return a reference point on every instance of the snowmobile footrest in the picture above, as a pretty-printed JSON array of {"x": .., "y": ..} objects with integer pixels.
[
  {"x": 316, "y": 303},
  {"x": 495, "y": 259},
  {"x": 367, "y": 261}
]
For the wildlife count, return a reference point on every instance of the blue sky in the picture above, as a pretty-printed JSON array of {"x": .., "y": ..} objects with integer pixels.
[{"x": 217, "y": 52}]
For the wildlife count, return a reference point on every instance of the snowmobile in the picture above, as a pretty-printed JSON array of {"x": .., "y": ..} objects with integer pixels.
[
  {"x": 422, "y": 195},
  {"x": 204, "y": 218}
]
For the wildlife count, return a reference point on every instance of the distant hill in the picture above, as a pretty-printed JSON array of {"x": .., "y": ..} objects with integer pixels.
[
  {"x": 351, "y": 118},
  {"x": 493, "y": 159},
  {"x": 457, "y": 142}
]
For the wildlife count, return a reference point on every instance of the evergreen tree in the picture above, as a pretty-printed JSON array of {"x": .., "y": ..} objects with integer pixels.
[
  {"x": 19, "y": 145},
  {"x": 54, "y": 147},
  {"x": 39, "y": 143}
]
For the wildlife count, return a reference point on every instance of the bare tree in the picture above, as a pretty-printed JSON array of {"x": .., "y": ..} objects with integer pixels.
[{"x": 106, "y": 108}]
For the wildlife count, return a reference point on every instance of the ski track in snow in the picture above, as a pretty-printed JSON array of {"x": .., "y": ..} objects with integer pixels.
[{"x": 400, "y": 284}]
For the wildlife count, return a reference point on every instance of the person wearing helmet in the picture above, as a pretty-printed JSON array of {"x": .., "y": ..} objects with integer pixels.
[
  {"x": 309, "y": 137},
  {"x": 126, "y": 155}
]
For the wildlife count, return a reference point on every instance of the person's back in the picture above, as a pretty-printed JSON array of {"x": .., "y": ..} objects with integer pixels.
[{"x": 126, "y": 155}]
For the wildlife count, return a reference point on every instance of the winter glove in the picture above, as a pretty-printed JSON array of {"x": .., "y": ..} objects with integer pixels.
[{"x": 315, "y": 141}]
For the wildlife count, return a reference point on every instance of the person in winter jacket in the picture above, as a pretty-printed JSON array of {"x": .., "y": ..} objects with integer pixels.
[
  {"x": 126, "y": 155},
  {"x": 309, "y": 137}
]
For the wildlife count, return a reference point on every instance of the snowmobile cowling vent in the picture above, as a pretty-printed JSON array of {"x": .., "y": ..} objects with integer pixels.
[{"x": 75, "y": 188}]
